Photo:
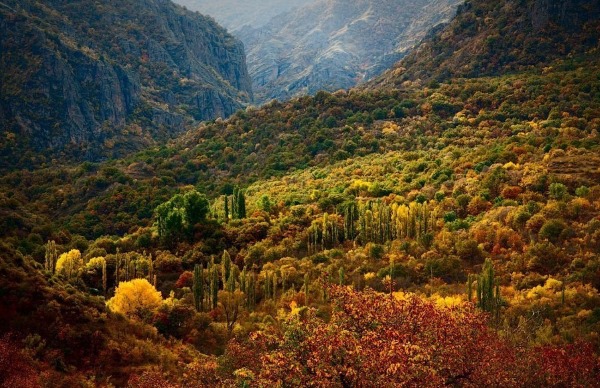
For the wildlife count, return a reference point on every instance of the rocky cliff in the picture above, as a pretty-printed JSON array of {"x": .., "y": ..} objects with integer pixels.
[
  {"x": 90, "y": 79},
  {"x": 490, "y": 37},
  {"x": 335, "y": 44}
]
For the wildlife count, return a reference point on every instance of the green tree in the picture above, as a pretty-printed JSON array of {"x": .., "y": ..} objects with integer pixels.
[
  {"x": 178, "y": 215},
  {"x": 264, "y": 203},
  {"x": 241, "y": 204},
  {"x": 488, "y": 290},
  {"x": 225, "y": 267},
  {"x": 552, "y": 230},
  {"x": 196, "y": 207},
  {"x": 558, "y": 191},
  {"x": 198, "y": 287}
]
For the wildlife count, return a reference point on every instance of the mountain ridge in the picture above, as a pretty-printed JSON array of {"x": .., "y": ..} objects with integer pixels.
[
  {"x": 107, "y": 80},
  {"x": 330, "y": 44},
  {"x": 488, "y": 38}
]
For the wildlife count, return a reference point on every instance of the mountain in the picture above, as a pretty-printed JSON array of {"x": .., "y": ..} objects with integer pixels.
[
  {"x": 487, "y": 38},
  {"x": 335, "y": 44},
  {"x": 235, "y": 14},
  {"x": 90, "y": 79}
]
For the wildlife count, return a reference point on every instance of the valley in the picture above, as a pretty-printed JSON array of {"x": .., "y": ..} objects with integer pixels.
[{"x": 438, "y": 225}]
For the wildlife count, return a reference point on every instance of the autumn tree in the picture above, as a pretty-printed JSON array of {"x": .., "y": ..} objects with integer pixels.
[
  {"x": 69, "y": 263},
  {"x": 232, "y": 303},
  {"x": 136, "y": 299},
  {"x": 373, "y": 340},
  {"x": 51, "y": 256}
]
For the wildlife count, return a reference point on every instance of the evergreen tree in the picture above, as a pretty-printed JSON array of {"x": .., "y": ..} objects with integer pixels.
[
  {"x": 198, "y": 287},
  {"x": 488, "y": 290},
  {"x": 117, "y": 266},
  {"x": 231, "y": 282},
  {"x": 225, "y": 267},
  {"x": 470, "y": 287},
  {"x": 215, "y": 287},
  {"x": 241, "y": 205}
]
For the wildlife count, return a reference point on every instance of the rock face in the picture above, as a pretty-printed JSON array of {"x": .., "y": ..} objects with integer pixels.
[
  {"x": 490, "y": 37},
  {"x": 91, "y": 79},
  {"x": 335, "y": 44},
  {"x": 236, "y": 14}
]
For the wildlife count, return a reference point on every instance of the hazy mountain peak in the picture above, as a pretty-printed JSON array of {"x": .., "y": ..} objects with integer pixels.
[
  {"x": 334, "y": 44},
  {"x": 236, "y": 14}
]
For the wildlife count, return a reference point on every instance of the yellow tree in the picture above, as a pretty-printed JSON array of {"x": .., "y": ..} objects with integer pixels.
[
  {"x": 232, "y": 304},
  {"x": 136, "y": 299},
  {"x": 69, "y": 263}
]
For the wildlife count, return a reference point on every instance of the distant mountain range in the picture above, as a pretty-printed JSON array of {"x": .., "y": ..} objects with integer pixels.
[
  {"x": 94, "y": 79},
  {"x": 335, "y": 44}
]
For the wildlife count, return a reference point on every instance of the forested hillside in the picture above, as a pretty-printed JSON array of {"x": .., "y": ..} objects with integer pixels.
[
  {"x": 487, "y": 38},
  {"x": 85, "y": 80},
  {"x": 436, "y": 233}
]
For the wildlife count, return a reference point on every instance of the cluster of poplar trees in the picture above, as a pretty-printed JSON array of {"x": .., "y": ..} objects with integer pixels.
[
  {"x": 371, "y": 221},
  {"x": 127, "y": 266},
  {"x": 226, "y": 276},
  {"x": 487, "y": 290},
  {"x": 207, "y": 282},
  {"x": 235, "y": 206}
]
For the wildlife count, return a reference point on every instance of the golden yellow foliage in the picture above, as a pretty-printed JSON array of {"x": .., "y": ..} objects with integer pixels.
[
  {"x": 136, "y": 299},
  {"x": 447, "y": 301},
  {"x": 95, "y": 263},
  {"x": 390, "y": 128},
  {"x": 69, "y": 263},
  {"x": 401, "y": 296}
]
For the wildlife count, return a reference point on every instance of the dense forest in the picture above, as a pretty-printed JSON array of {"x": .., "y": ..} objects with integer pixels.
[{"x": 415, "y": 232}]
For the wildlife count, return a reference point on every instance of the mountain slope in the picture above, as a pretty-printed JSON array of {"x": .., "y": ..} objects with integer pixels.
[
  {"x": 235, "y": 14},
  {"x": 490, "y": 37},
  {"x": 90, "y": 77},
  {"x": 334, "y": 44}
]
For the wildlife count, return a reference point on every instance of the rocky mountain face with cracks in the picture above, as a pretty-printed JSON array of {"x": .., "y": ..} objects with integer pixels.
[
  {"x": 103, "y": 78},
  {"x": 334, "y": 44}
]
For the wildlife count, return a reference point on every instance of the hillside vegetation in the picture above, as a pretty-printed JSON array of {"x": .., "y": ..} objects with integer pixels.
[
  {"x": 487, "y": 38},
  {"x": 436, "y": 235}
]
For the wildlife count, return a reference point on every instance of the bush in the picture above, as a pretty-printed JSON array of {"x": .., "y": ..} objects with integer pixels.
[
  {"x": 552, "y": 229},
  {"x": 558, "y": 191}
]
